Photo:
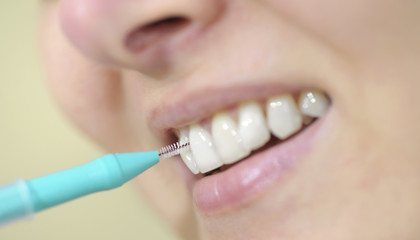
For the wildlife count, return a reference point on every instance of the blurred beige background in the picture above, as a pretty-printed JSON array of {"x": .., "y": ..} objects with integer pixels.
[{"x": 35, "y": 140}]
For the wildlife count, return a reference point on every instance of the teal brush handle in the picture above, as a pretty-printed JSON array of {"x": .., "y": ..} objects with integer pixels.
[{"x": 22, "y": 198}]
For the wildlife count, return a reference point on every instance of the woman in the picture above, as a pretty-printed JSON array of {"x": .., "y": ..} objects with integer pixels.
[{"x": 300, "y": 115}]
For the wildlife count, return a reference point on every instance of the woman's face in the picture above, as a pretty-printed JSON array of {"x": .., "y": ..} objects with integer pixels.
[{"x": 231, "y": 75}]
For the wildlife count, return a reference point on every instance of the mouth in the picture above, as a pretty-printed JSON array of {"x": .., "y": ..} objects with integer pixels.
[{"x": 238, "y": 151}]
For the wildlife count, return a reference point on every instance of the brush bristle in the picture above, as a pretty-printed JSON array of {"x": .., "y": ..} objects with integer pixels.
[{"x": 174, "y": 149}]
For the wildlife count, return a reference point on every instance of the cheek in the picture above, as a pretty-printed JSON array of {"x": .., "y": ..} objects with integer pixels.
[
  {"x": 325, "y": 17},
  {"x": 379, "y": 44},
  {"x": 355, "y": 27},
  {"x": 87, "y": 93}
]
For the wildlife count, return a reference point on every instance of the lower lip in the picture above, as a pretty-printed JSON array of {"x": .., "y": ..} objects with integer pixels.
[{"x": 244, "y": 181}]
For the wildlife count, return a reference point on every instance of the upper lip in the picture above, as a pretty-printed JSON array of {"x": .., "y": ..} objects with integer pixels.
[{"x": 183, "y": 106}]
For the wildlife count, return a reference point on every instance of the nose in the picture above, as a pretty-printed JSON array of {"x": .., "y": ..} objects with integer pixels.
[{"x": 145, "y": 35}]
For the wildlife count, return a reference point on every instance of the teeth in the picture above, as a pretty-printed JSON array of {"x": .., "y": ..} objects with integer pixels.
[
  {"x": 252, "y": 126},
  {"x": 187, "y": 156},
  {"x": 227, "y": 139},
  {"x": 283, "y": 116},
  {"x": 313, "y": 103},
  {"x": 203, "y": 149},
  {"x": 230, "y": 141}
]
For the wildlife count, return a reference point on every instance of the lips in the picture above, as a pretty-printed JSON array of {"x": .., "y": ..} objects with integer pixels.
[{"x": 248, "y": 144}]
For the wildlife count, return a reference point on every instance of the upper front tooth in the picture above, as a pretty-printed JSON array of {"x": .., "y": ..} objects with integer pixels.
[
  {"x": 187, "y": 156},
  {"x": 313, "y": 103},
  {"x": 203, "y": 149},
  {"x": 284, "y": 118},
  {"x": 227, "y": 139},
  {"x": 252, "y": 125}
]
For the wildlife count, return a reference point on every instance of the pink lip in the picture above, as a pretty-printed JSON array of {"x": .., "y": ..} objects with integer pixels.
[{"x": 243, "y": 181}]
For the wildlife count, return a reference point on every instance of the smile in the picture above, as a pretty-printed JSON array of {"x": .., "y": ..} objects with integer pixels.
[{"x": 242, "y": 149}]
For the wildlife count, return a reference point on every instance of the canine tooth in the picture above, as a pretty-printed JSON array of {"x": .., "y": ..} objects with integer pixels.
[
  {"x": 252, "y": 125},
  {"x": 313, "y": 103},
  {"x": 226, "y": 138},
  {"x": 187, "y": 155},
  {"x": 283, "y": 116},
  {"x": 203, "y": 149}
]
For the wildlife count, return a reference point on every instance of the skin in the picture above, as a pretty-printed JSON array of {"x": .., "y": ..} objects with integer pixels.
[{"x": 361, "y": 180}]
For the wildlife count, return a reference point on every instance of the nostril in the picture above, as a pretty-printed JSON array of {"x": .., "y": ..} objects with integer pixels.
[
  {"x": 165, "y": 24},
  {"x": 148, "y": 34}
]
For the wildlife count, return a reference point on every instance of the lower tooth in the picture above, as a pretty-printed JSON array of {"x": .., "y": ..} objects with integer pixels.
[
  {"x": 283, "y": 116},
  {"x": 227, "y": 139},
  {"x": 203, "y": 149}
]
